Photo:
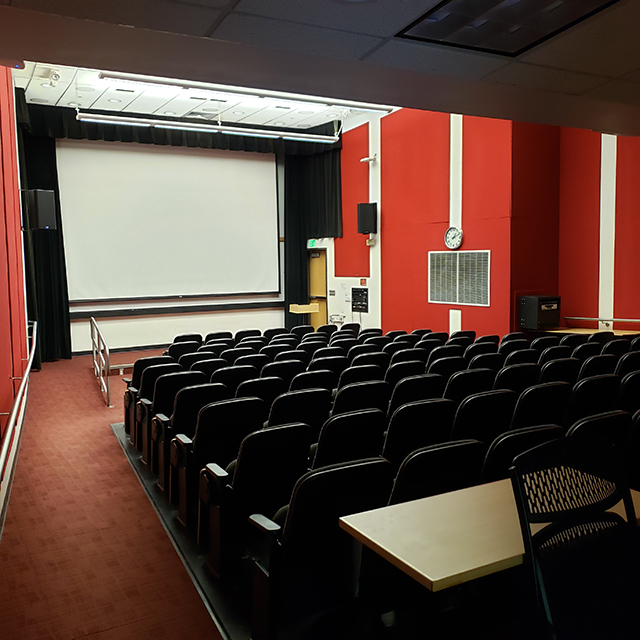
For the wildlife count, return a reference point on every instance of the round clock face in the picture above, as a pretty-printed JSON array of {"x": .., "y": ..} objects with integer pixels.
[{"x": 453, "y": 237}]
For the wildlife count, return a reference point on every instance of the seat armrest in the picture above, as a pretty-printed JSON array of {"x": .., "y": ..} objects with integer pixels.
[
  {"x": 213, "y": 480},
  {"x": 159, "y": 426},
  {"x": 264, "y": 524},
  {"x": 143, "y": 407},
  {"x": 127, "y": 381},
  {"x": 214, "y": 470},
  {"x": 181, "y": 447}
]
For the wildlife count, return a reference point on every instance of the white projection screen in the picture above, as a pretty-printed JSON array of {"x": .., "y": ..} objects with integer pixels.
[{"x": 145, "y": 221}]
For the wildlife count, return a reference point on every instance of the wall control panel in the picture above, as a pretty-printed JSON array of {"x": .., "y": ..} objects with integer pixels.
[{"x": 360, "y": 299}]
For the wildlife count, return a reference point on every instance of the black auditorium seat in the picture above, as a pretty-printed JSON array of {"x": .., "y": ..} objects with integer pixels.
[
  {"x": 479, "y": 347},
  {"x": 395, "y": 333},
  {"x": 493, "y": 361},
  {"x": 484, "y": 416},
  {"x": 231, "y": 355},
  {"x": 257, "y": 360},
  {"x": 337, "y": 364},
  {"x": 460, "y": 341},
  {"x": 562, "y": 370},
  {"x": 272, "y": 349},
  {"x": 514, "y": 335},
  {"x": 468, "y": 382},
  {"x": 310, "y": 406},
  {"x": 183, "y": 419},
  {"x": 447, "y": 366},
  {"x": 293, "y": 354},
  {"x": 361, "y": 348},
  {"x": 246, "y": 333},
  {"x": 231, "y": 377},
  {"x": 426, "y": 386},
  {"x": 133, "y": 386},
  {"x": 591, "y": 396},
  {"x": 368, "y": 332},
  {"x": 392, "y": 347},
  {"x": 512, "y": 345},
  {"x": 400, "y": 370},
  {"x": 377, "y": 357},
  {"x": 177, "y": 349},
  {"x": 554, "y": 352},
  {"x": 290, "y": 339},
  {"x": 221, "y": 428},
  {"x": 421, "y": 332},
  {"x": 613, "y": 427},
  {"x": 188, "y": 337},
  {"x": 601, "y": 337},
  {"x": 437, "y": 469},
  {"x": 344, "y": 343},
  {"x": 266, "y": 388},
  {"x": 628, "y": 362},
  {"x": 316, "y": 337},
  {"x": 271, "y": 333},
  {"x": 404, "y": 355},
  {"x": 351, "y": 326},
  {"x": 629, "y": 395},
  {"x": 517, "y": 377},
  {"x": 209, "y": 366},
  {"x": 310, "y": 564},
  {"x": 597, "y": 366},
  {"x": 301, "y": 330},
  {"x": 378, "y": 341},
  {"x": 508, "y": 445},
  {"x": 411, "y": 338},
  {"x": 327, "y": 328},
  {"x": 361, "y": 373},
  {"x": 320, "y": 379},
  {"x": 255, "y": 343},
  {"x": 374, "y": 394},
  {"x": 217, "y": 335},
  {"x": 310, "y": 347},
  {"x": 428, "y": 344},
  {"x": 573, "y": 340},
  {"x": 260, "y": 480},
  {"x": 586, "y": 350},
  {"x": 327, "y": 352},
  {"x": 443, "y": 336},
  {"x": 617, "y": 347},
  {"x": 494, "y": 338},
  {"x": 445, "y": 351},
  {"x": 186, "y": 360},
  {"x": 522, "y": 356},
  {"x": 145, "y": 398},
  {"x": 285, "y": 369},
  {"x": 217, "y": 347},
  {"x": 635, "y": 344},
  {"x": 415, "y": 425},
  {"x": 545, "y": 403},
  {"x": 350, "y": 436},
  {"x": 464, "y": 333},
  {"x": 544, "y": 342}
]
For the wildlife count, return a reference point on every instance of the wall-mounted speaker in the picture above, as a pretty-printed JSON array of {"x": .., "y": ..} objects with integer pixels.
[
  {"x": 41, "y": 209},
  {"x": 368, "y": 217}
]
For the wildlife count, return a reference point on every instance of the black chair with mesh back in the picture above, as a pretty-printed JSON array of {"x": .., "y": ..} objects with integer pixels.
[
  {"x": 583, "y": 558},
  {"x": 400, "y": 370},
  {"x": 517, "y": 377},
  {"x": 320, "y": 379},
  {"x": 573, "y": 340},
  {"x": 368, "y": 332},
  {"x": 221, "y": 428},
  {"x": 218, "y": 335},
  {"x": 309, "y": 406},
  {"x": 493, "y": 361},
  {"x": 164, "y": 394},
  {"x": 468, "y": 382},
  {"x": 616, "y": 347},
  {"x": 545, "y": 403},
  {"x": 260, "y": 480},
  {"x": 415, "y": 425},
  {"x": 362, "y": 373},
  {"x": 131, "y": 395},
  {"x": 514, "y": 335},
  {"x": 460, "y": 341},
  {"x": 484, "y": 416},
  {"x": 393, "y": 347},
  {"x": 523, "y": 356},
  {"x": 464, "y": 333},
  {"x": 310, "y": 565},
  {"x": 374, "y": 394},
  {"x": 293, "y": 354},
  {"x": 405, "y": 355},
  {"x": 378, "y": 357},
  {"x": 591, "y": 396},
  {"x": 601, "y": 337},
  {"x": 597, "y": 366},
  {"x": 177, "y": 349},
  {"x": 562, "y": 370},
  {"x": 360, "y": 349},
  {"x": 272, "y": 350},
  {"x": 301, "y": 330},
  {"x": 395, "y": 333},
  {"x": 613, "y": 427},
  {"x": 629, "y": 394},
  {"x": 586, "y": 350},
  {"x": 231, "y": 377},
  {"x": 271, "y": 333},
  {"x": 445, "y": 351},
  {"x": 327, "y": 352},
  {"x": 350, "y": 436},
  {"x": 426, "y": 386},
  {"x": 544, "y": 342},
  {"x": 188, "y": 337},
  {"x": 285, "y": 369},
  {"x": 246, "y": 333},
  {"x": 627, "y": 363},
  {"x": 479, "y": 347},
  {"x": 378, "y": 341},
  {"x": 209, "y": 366},
  {"x": 493, "y": 338},
  {"x": 421, "y": 332},
  {"x": 267, "y": 389},
  {"x": 186, "y": 407},
  {"x": 446, "y": 367},
  {"x": 437, "y": 469},
  {"x": 555, "y": 352},
  {"x": 145, "y": 398},
  {"x": 186, "y": 360},
  {"x": 231, "y": 355},
  {"x": 337, "y": 364},
  {"x": 257, "y": 360},
  {"x": 411, "y": 338},
  {"x": 508, "y": 445},
  {"x": 512, "y": 345},
  {"x": 327, "y": 329}
]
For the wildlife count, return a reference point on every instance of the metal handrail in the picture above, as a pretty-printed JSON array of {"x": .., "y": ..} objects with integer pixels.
[
  {"x": 10, "y": 443},
  {"x": 602, "y": 319},
  {"x": 101, "y": 361}
]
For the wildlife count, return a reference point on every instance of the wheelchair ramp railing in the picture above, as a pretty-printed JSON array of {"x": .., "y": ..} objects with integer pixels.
[
  {"x": 101, "y": 361},
  {"x": 10, "y": 443}
]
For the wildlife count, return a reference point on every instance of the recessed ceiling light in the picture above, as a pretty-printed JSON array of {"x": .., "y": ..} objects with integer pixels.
[
  {"x": 114, "y": 100},
  {"x": 305, "y": 113},
  {"x": 46, "y": 85},
  {"x": 72, "y": 104},
  {"x": 238, "y": 113},
  {"x": 279, "y": 124},
  {"x": 39, "y": 100},
  {"x": 211, "y": 109},
  {"x": 169, "y": 113},
  {"x": 86, "y": 88},
  {"x": 332, "y": 115}
]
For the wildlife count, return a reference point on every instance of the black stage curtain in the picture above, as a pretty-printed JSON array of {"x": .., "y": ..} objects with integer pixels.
[{"x": 313, "y": 209}]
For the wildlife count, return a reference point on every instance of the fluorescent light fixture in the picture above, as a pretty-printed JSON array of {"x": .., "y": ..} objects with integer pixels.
[{"x": 188, "y": 126}]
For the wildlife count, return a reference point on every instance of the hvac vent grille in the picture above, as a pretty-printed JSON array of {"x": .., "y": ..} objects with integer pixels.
[{"x": 459, "y": 278}]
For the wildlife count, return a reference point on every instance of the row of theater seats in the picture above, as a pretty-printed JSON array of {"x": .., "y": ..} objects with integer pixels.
[{"x": 290, "y": 458}]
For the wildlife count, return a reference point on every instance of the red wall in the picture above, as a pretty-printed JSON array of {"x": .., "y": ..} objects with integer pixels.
[
  {"x": 351, "y": 252},
  {"x": 12, "y": 314},
  {"x": 579, "y": 228}
]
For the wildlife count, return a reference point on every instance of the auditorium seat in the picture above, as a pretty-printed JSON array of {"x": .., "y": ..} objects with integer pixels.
[
  {"x": 327, "y": 329},
  {"x": 260, "y": 480},
  {"x": 484, "y": 416},
  {"x": 464, "y": 333},
  {"x": 545, "y": 403},
  {"x": 561, "y": 370},
  {"x": 231, "y": 377},
  {"x": 392, "y": 347},
  {"x": 416, "y": 425},
  {"x": 459, "y": 341},
  {"x": 445, "y": 351},
  {"x": 246, "y": 333},
  {"x": 291, "y": 340},
  {"x": 404, "y": 355},
  {"x": 327, "y": 352},
  {"x": 231, "y": 355},
  {"x": 512, "y": 345},
  {"x": 601, "y": 337},
  {"x": 616, "y": 347},
  {"x": 517, "y": 377},
  {"x": 437, "y": 469},
  {"x": 351, "y": 326},
  {"x": 428, "y": 344},
  {"x": 555, "y": 352},
  {"x": 337, "y": 364},
  {"x": 293, "y": 354},
  {"x": 257, "y": 360},
  {"x": 368, "y": 332},
  {"x": 221, "y": 428},
  {"x": 342, "y": 335},
  {"x": 425, "y": 386},
  {"x": 285, "y": 369},
  {"x": 377, "y": 357},
  {"x": 321, "y": 379},
  {"x": 443, "y": 336},
  {"x": 186, "y": 360},
  {"x": 627, "y": 363},
  {"x": 265, "y": 388},
  {"x": 598, "y": 365},
  {"x": 493, "y": 361},
  {"x": 209, "y": 366},
  {"x": 447, "y": 366},
  {"x": 188, "y": 337},
  {"x": 378, "y": 341},
  {"x": 177, "y": 349},
  {"x": 628, "y": 398},
  {"x": 573, "y": 340},
  {"x": 586, "y": 350},
  {"x": 361, "y": 373},
  {"x": 374, "y": 394},
  {"x": 301, "y": 330},
  {"x": 400, "y": 370},
  {"x": 308, "y": 347},
  {"x": 271, "y": 350},
  {"x": 344, "y": 343},
  {"x": 544, "y": 342},
  {"x": 514, "y": 335},
  {"x": 613, "y": 427},
  {"x": 310, "y": 406},
  {"x": 468, "y": 382},
  {"x": 359, "y": 349},
  {"x": 271, "y": 333},
  {"x": 493, "y": 338},
  {"x": 479, "y": 347},
  {"x": 411, "y": 338},
  {"x": 635, "y": 344},
  {"x": 523, "y": 356},
  {"x": 217, "y": 346},
  {"x": 215, "y": 335},
  {"x": 591, "y": 396},
  {"x": 255, "y": 343}
]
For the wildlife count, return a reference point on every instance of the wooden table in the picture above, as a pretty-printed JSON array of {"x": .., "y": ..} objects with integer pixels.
[{"x": 450, "y": 538}]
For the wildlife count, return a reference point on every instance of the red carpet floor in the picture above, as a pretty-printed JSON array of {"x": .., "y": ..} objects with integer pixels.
[{"x": 83, "y": 554}]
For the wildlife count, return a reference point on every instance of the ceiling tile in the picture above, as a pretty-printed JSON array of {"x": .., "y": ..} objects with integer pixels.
[
  {"x": 437, "y": 59},
  {"x": 76, "y": 96},
  {"x": 534, "y": 77},
  {"x": 617, "y": 91},
  {"x": 604, "y": 45},
  {"x": 294, "y": 37},
  {"x": 189, "y": 19},
  {"x": 380, "y": 18}
]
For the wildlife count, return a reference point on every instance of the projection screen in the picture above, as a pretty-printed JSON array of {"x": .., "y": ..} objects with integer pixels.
[{"x": 145, "y": 221}]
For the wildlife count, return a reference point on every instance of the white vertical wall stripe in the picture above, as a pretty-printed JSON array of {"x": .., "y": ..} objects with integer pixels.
[
  {"x": 455, "y": 320},
  {"x": 374, "y": 318},
  {"x": 455, "y": 170},
  {"x": 608, "y": 155}
]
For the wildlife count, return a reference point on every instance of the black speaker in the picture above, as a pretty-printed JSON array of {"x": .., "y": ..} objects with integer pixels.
[
  {"x": 41, "y": 207},
  {"x": 368, "y": 217},
  {"x": 539, "y": 312}
]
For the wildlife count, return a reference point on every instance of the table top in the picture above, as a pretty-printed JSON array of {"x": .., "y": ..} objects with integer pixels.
[{"x": 447, "y": 539}]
